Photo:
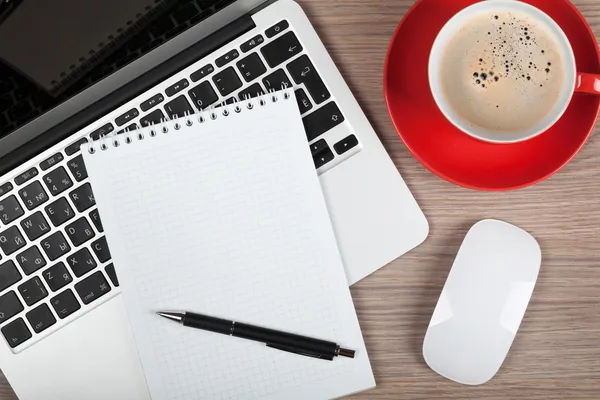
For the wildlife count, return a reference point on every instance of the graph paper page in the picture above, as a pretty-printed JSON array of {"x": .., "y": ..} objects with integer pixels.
[{"x": 227, "y": 218}]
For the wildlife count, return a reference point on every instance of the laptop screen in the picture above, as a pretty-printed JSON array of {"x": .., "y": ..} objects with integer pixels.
[{"x": 52, "y": 50}]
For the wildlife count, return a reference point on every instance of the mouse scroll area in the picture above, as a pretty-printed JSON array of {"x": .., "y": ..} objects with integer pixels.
[{"x": 483, "y": 302}]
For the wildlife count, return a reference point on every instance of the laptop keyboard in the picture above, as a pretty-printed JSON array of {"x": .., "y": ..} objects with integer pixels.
[{"x": 55, "y": 263}]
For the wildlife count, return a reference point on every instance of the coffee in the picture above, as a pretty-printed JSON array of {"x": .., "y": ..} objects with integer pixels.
[{"x": 502, "y": 71}]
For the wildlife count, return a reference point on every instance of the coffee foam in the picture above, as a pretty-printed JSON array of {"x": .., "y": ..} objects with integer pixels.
[{"x": 502, "y": 71}]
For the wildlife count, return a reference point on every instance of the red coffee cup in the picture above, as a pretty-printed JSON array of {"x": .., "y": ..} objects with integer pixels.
[
  {"x": 543, "y": 22},
  {"x": 459, "y": 158}
]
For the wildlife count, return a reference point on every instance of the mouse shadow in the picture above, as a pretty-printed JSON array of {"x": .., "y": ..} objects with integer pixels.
[{"x": 438, "y": 273}]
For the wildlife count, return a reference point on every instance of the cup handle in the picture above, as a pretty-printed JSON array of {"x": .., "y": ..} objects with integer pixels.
[{"x": 587, "y": 83}]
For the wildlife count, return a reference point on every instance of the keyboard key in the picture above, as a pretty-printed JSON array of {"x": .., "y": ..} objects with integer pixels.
[
  {"x": 80, "y": 231},
  {"x": 277, "y": 29},
  {"x": 203, "y": 95},
  {"x": 25, "y": 176},
  {"x": 152, "y": 102},
  {"x": 323, "y": 157},
  {"x": 100, "y": 247},
  {"x": 252, "y": 91},
  {"x": 57, "y": 181},
  {"x": 31, "y": 260},
  {"x": 177, "y": 87},
  {"x": 51, "y": 161},
  {"x": 35, "y": 225},
  {"x": 155, "y": 117},
  {"x": 281, "y": 50},
  {"x": 202, "y": 73},
  {"x": 9, "y": 306},
  {"x": 65, "y": 304},
  {"x": 5, "y": 188},
  {"x": 77, "y": 168},
  {"x": 321, "y": 153},
  {"x": 75, "y": 147},
  {"x": 57, "y": 276},
  {"x": 83, "y": 197},
  {"x": 59, "y": 212},
  {"x": 9, "y": 274},
  {"x": 303, "y": 71},
  {"x": 277, "y": 81},
  {"x": 345, "y": 144},
  {"x": 227, "y": 81},
  {"x": 227, "y": 58},
  {"x": 304, "y": 103},
  {"x": 95, "y": 217},
  {"x": 322, "y": 120},
  {"x": 11, "y": 240},
  {"x": 127, "y": 117},
  {"x": 129, "y": 128},
  {"x": 251, "y": 67},
  {"x": 110, "y": 271},
  {"x": 318, "y": 147},
  {"x": 178, "y": 107},
  {"x": 55, "y": 246},
  {"x": 40, "y": 318},
  {"x": 81, "y": 262},
  {"x": 10, "y": 209},
  {"x": 33, "y": 195},
  {"x": 33, "y": 291},
  {"x": 252, "y": 43},
  {"x": 102, "y": 131},
  {"x": 93, "y": 287},
  {"x": 16, "y": 333}
]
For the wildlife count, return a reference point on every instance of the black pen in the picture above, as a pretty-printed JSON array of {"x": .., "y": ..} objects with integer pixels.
[{"x": 297, "y": 344}]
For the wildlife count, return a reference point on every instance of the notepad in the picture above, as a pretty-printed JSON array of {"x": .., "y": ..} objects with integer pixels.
[{"x": 221, "y": 213}]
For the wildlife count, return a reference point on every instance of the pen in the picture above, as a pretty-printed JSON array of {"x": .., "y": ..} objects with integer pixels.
[{"x": 289, "y": 342}]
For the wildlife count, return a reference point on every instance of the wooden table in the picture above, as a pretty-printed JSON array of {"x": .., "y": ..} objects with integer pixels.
[{"x": 557, "y": 352}]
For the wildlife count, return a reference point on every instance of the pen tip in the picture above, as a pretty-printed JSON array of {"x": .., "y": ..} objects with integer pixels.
[{"x": 174, "y": 316}]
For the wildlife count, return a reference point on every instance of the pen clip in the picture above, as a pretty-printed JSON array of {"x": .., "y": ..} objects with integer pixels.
[{"x": 300, "y": 352}]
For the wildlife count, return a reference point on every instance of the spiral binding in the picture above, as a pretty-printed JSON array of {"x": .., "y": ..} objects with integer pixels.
[{"x": 164, "y": 127}]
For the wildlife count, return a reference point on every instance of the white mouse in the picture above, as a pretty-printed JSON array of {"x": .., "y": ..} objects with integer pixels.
[{"x": 483, "y": 302}]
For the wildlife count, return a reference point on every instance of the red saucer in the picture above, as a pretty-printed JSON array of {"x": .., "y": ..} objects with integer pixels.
[{"x": 455, "y": 156}]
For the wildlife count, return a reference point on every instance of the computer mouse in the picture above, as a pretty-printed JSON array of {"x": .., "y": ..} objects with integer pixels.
[{"x": 482, "y": 303}]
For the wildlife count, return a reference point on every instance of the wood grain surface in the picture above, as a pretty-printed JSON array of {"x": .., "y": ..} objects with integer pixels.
[{"x": 556, "y": 354}]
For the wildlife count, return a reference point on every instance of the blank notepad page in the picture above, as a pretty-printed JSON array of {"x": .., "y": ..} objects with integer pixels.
[{"x": 226, "y": 218}]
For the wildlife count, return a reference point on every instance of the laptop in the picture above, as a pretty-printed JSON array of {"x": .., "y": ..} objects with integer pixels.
[{"x": 64, "y": 330}]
